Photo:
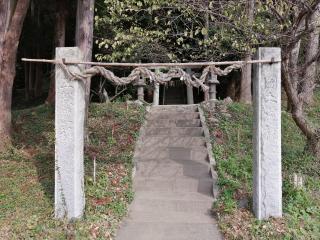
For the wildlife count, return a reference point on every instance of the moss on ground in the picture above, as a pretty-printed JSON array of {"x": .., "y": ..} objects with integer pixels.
[
  {"x": 27, "y": 174},
  {"x": 232, "y": 147}
]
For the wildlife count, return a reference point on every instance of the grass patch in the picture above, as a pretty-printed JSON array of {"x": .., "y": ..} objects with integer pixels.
[
  {"x": 232, "y": 147},
  {"x": 27, "y": 174}
]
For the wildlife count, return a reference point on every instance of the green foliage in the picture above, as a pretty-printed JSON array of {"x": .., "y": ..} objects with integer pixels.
[
  {"x": 175, "y": 30},
  {"x": 166, "y": 30}
]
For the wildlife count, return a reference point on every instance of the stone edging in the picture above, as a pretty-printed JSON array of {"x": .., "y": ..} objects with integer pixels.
[
  {"x": 212, "y": 161},
  {"x": 139, "y": 141}
]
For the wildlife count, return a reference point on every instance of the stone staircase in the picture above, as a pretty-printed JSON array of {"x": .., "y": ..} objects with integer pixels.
[{"x": 173, "y": 183}]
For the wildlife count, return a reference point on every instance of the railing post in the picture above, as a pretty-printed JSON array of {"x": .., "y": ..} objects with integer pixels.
[
  {"x": 156, "y": 94},
  {"x": 190, "y": 89},
  {"x": 156, "y": 91},
  {"x": 213, "y": 86},
  {"x": 69, "y": 133},
  {"x": 267, "y": 180}
]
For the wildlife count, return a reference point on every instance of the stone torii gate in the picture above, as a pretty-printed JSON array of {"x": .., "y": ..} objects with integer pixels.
[{"x": 69, "y": 126}]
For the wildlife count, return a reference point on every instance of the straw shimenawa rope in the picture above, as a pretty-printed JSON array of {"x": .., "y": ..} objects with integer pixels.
[
  {"x": 143, "y": 72},
  {"x": 218, "y": 71}
]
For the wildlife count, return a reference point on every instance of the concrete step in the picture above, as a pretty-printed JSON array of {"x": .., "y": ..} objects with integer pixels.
[
  {"x": 175, "y": 108},
  {"x": 169, "y": 217},
  {"x": 168, "y": 169},
  {"x": 168, "y": 205},
  {"x": 186, "y": 184},
  {"x": 165, "y": 195},
  {"x": 171, "y": 115},
  {"x": 174, "y": 123},
  {"x": 173, "y": 153},
  {"x": 168, "y": 231},
  {"x": 179, "y": 131},
  {"x": 173, "y": 141}
]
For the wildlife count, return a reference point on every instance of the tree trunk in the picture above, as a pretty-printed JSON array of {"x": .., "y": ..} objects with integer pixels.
[
  {"x": 231, "y": 89},
  {"x": 314, "y": 144},
  {"x": 4, "y": 5},
  {"x": 245, "y": 92},
  {"x": 294, "y": 75},
  {"x": 8, "y": 68},
  {"x": 311, "y": 51},
  {"x": 84, "y": 33},
  {"x": 38, "y": 79},
  {"x": 84, "y": 40},
  {"x": 26, "y": 80},
  {"x": 312, "y": 134},
  {"x": 6, "y": 11},
  {"x": 38, "y": 75},
  {"x": 298, "y": 115},
  {"x": 31, "y": 79},
  {"x": 60, "y": 39}
]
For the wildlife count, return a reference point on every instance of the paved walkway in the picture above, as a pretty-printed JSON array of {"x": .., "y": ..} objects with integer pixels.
[{"x": 173, "y": 187}]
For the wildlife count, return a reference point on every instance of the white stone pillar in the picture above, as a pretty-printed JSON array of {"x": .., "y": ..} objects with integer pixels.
[
  {"x": 190, "y": 98},
  {"x": 156, "y": 94},
  {"x": 190, "y": 94},
  {"x": 69, "y": 132},
  {"x": 156, "y": 91},
  {"x": 267, "y": 182}
]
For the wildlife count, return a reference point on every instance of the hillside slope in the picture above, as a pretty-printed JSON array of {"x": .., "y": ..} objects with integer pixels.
[
  {"x": 231, "y": 133},
  {"x": 27, "y": 171}
]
